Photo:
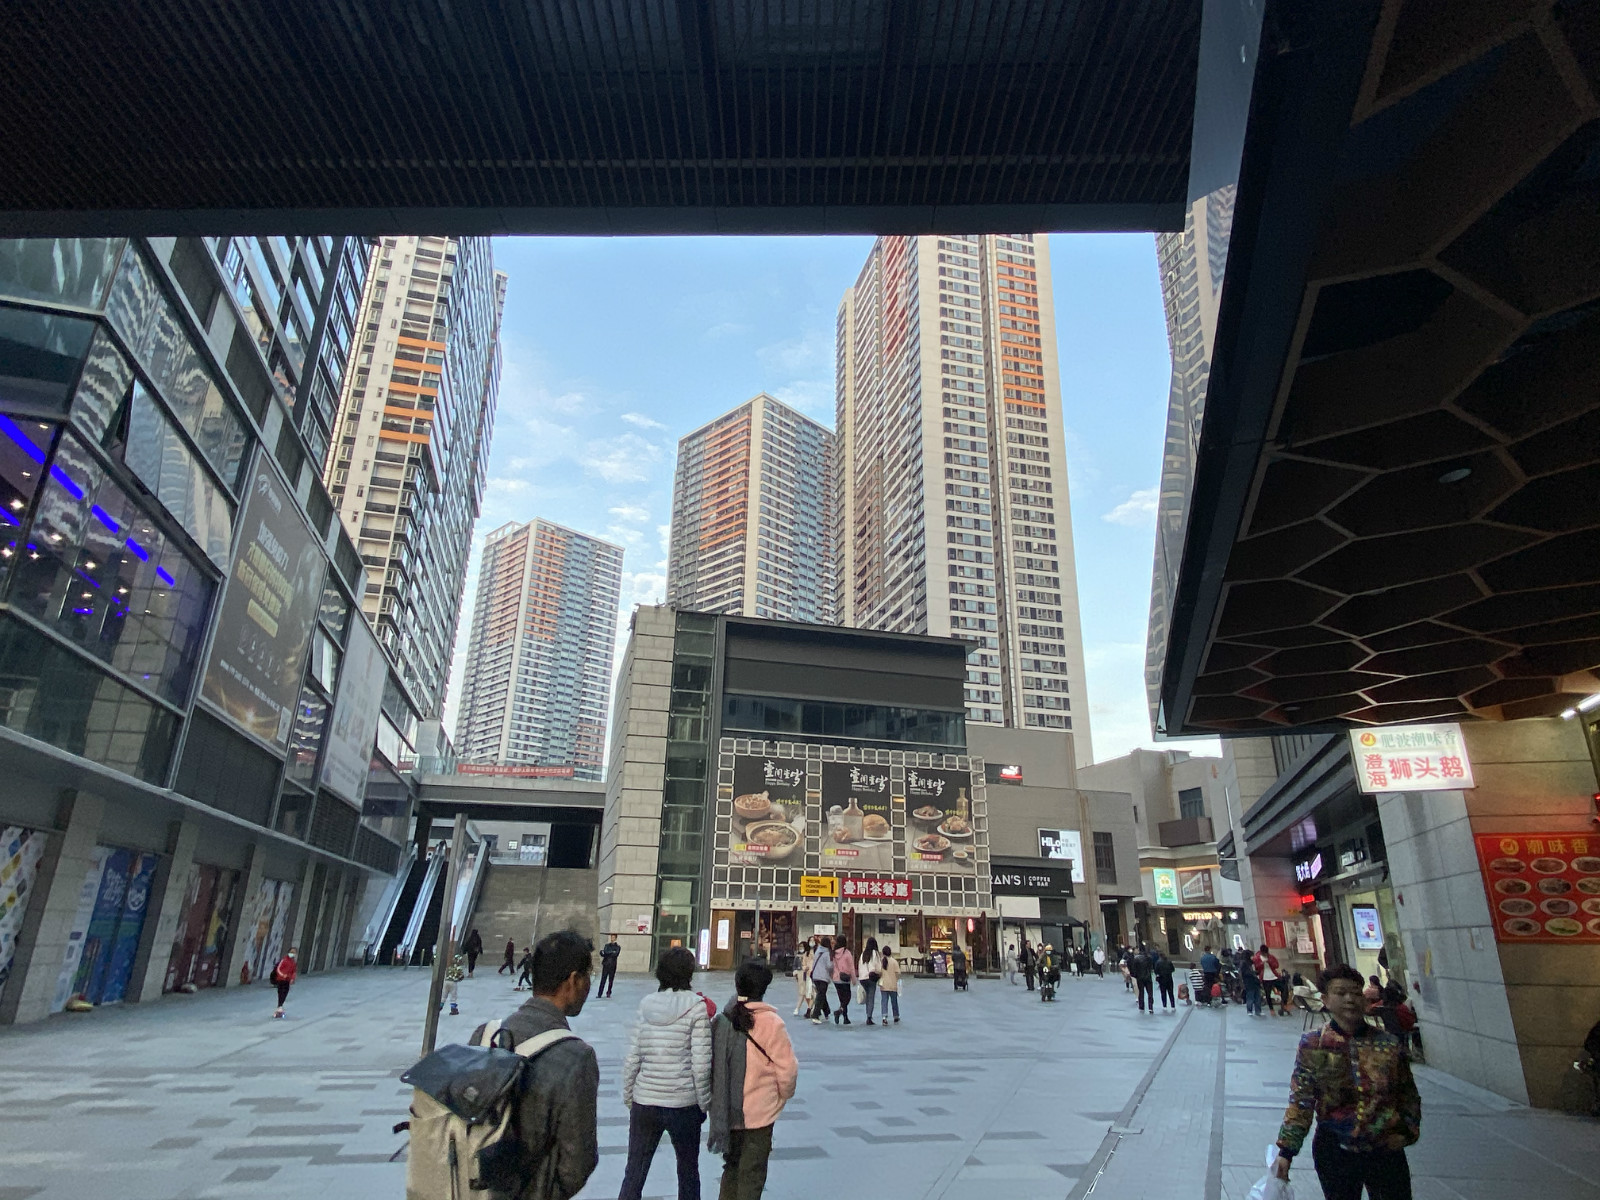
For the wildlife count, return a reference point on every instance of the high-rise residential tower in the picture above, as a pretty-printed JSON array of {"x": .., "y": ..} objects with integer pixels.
[
  {"x": 953, "y": 511},
  {"x": 752, "y": 516},
  {"x": 1192, "y": 265},
  {"x": 544, "y": 627},
  {"x": 414, "y": 423}
]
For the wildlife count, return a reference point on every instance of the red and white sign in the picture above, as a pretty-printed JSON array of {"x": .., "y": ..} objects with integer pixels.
[
  {"x": 1411, "y": 758},
  {"x": 875, "y": 889},
  {"x": 1272, "y": 933},
  {"x": 1542, "y": 887}
]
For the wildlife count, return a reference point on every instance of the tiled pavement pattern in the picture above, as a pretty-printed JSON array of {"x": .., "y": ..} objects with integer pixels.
[{"x": 988, "y": 1094}]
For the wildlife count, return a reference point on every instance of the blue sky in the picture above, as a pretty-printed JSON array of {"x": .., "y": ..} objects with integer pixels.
[{"x": 616, "y": 347}]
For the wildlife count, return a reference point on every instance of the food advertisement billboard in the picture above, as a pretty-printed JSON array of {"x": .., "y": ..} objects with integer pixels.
[
  {"x": 939, "y": 829},
  {"x": 1542, "y": 887},
  {"x": 769, "y": 811},
  {"x": 858, "y": 833},
  {"x": 268, "y": 610},
  {"x": 347, "y": 757}
]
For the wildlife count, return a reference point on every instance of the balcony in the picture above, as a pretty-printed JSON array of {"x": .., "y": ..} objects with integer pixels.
[{"x": 1187, "y": 831}]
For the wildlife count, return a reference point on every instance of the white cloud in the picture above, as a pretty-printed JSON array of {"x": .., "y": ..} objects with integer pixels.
[
  {"x": 505, "y": 483},
  {"x": 797, "y": 354},
  {"x": 1137, "y": 510},
  {"x": 642, "y": 421},
  {"x": 727, "y": 329},
  {"x": 630, "y": 512},
  {"x": 627, "y": 458},
  {"x": 814, "y": 397}
]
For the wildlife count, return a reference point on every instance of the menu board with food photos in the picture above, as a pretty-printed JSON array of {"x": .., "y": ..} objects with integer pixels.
[
  {"x": 769, "y": 811},
  {"x": 857, "y": 832},
  {"x": 939, "y": 823},
  {"x": 1542, "y": 887}
]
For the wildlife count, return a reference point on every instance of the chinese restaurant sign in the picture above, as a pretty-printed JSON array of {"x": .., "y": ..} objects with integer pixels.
[
  {"x": 1411, "y": 758},
  {"x": 875, "y": 889},
  {"x": 1542, "y": 887}
]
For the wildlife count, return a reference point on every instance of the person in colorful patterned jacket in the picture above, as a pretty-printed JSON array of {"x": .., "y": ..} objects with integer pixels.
[{"x": 1357, "y": 1081}]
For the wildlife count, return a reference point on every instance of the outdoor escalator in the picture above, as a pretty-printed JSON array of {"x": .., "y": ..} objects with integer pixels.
[
  {"x": 400, "y": 918},
  {"x": 426, "y": 939}
]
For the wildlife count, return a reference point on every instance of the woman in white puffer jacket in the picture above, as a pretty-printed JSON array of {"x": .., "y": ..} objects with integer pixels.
[{"x": 666, "y": 1076}]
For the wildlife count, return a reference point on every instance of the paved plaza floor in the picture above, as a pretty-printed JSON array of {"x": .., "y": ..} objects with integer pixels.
[{"x": 988, "y": 1094}]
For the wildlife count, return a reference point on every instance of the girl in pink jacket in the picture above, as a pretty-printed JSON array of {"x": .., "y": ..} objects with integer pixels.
[
  {"x": 753, "y": 1075},
  {"x": 844, "y": 976}
]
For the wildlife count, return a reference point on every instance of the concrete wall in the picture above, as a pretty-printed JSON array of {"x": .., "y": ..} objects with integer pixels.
[
  {"x": 1266, "y": 882},
  {"x": 524, "y": 903},
  {"x": 1506, "y": 1016},
  {"x": 630, "y": 834}
]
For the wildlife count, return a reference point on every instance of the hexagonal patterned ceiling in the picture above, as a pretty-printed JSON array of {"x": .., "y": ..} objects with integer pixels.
[{"x": 1417, "y": 530}]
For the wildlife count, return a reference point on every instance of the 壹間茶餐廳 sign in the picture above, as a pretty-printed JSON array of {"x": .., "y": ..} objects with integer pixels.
[{"x": 1411, "y": 758}]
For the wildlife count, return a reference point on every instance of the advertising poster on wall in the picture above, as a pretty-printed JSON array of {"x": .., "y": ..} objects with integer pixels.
[
  {"x": 769, "y": 811},
  {"x": 78, "y": 934},
  {"x": 858, "y": 832},
  {"x": 1165, "y": 881},
  {"x": 1195, "y": 887},
  {"x": 268, "y": 608},
  {"x": 1063, "y": 845},
  {"x": 347, "y": 754},
  {"x": 20, "y": 850},
  {"x": 1542, "y": 887},
  {"x": 268, "y": 922},
  {"x": 1368, "y": 928},
  {"x": 939, "y": 830}
]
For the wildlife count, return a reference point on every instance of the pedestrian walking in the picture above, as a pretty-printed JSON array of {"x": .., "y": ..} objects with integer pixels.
[
  {"x": 666, "y": 1076},
  {"x": 609, "y": 953},
  {"x": 753, "y": 1075},
  {"x": 844, "y": 974},
  {"x": 1357, "y": 1082},
  {"x": 453, "y": 975},
  {"x": 821, "y": 979},
  {"x": 556, "y": 1124},
  {"x": 1210, "y": 971},
  {"x": 869, "y": 968},
  {"x": 889, "y": 984},
  {"x": 1142, "y": 971},
  {"x": 1011, "y": 965},
  {"x": 1274, "y": 981},
  {"x": 283, "y": 975},
  {"x": 510, "y": 964},
  {"x": 802, "y": 977},
  {"x": 1161, "y": 967},
  {"x": 525, "y": 967},
  {"x": 473, "y": 949},
  {"x": 1252, "y": 985},
  {"x": 1028, "y": 958},
  {"x": 1100, "y": 961}
]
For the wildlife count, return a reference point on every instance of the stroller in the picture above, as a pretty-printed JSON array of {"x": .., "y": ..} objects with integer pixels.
[
  {"x": 958, "y": 969},
  {"x": 1049, "y": 976}
]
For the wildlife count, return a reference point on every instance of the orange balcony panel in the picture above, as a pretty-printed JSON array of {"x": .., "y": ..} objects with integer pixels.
[
  {"x": 415, "y": 391},
  {"x": 411, "y": 341}
]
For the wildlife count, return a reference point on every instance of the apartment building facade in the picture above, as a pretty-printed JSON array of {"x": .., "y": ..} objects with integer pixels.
[
  {"x": 753, "y": 524},
  {"x": 538, "y": 673},
  {"x": 953, "y": 513},
  {"x": 414, "y": 423}
]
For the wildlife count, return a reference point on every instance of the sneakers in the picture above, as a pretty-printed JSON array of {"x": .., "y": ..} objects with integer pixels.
[
  {"x": 278, "y": 1016},
  {"x": 816, "y": 1020},
  {"x": 454, "y": 1011}
]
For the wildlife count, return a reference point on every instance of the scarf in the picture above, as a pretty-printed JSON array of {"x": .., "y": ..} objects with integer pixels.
[{"x": 726, "y": 1114}]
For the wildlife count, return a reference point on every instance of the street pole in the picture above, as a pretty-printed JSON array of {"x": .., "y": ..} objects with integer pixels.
[{"x": 445, "y": 949}]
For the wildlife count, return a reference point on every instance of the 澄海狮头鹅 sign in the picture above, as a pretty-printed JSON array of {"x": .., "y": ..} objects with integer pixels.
[{"x": 1411, "y": 758}]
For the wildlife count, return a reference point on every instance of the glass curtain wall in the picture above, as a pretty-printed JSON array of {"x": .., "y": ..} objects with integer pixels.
[{"x": 683, "y": 807}]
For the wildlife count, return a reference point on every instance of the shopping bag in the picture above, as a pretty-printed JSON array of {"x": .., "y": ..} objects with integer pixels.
[
  {"x": 861, "y": 994},
  {"x": 1269, "y": 1186}
]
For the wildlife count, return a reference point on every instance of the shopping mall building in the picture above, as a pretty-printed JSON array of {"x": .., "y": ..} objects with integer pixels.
[{"x": 771, "y": 780}]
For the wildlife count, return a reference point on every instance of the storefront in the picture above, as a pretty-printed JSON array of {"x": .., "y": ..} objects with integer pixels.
[
  {"x": 1348, "y": 905},
  {"x": 103, "y": 939},
  {"x": 209, "y": 907},
  {"x": 1187, "y": 908},
  {"x": 1033, "y": 898}
]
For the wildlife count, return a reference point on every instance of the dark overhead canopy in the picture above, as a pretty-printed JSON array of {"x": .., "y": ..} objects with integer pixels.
[
  {"x": 1397, "y": 507},
  {"x": 596, "y": 116}
]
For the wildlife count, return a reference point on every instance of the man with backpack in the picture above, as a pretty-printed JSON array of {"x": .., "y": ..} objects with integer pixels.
[
  {"x": 1141, "y": 969},
  {"x": 560, "y": 1086}
]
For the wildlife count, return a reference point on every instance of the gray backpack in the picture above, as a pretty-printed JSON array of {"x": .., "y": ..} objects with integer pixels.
[{"x": 463, "y": 1136}]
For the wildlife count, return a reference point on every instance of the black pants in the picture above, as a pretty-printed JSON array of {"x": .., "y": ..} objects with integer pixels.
[
  {"x": 608, "y": 978},
  {"x": 1146, "y": 992},
  {"x": 1384, "y": 1173},
  {"x": 526, "y": 978},
  {"x": 646, "y": 1124},
  {"x": 843, "y": 992},
  {"x": 472, "y": 961},
  {"x": 283, "y": 993},
  {"x": 819, "y": 1005},
  {"x": 1210, "y": 978},
  {"x": 1027, "y": 973},
  {"x": 744, "y": 1166},
  {"x": 508, "y": 965},
  {"x": 1164, "y": 985}
]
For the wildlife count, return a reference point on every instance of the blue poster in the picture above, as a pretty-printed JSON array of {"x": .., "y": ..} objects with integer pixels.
[
  {"x": 131, "y": 924},
  {"x": 103, "y": 927}
]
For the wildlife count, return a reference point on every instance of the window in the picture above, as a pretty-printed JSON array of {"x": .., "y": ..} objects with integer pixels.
[
  {"x": 1191, "y": 803},
  {"x": 1105, "y": 858}
]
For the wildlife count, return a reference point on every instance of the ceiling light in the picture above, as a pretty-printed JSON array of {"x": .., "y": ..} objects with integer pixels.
[
  {"x": 1455, "y": 475},
  {"x": 16, "y": 504}
]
